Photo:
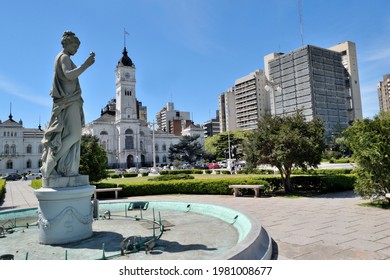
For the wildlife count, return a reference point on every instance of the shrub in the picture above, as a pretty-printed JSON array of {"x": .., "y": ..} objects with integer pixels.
[
  {"x": 128, "y": 175},
  {"x": 334, "y": 171},
  {"x": 172, "y": 177},
  {"x": 36, "y": 184},
  {"x": 316, "y": 183},
  {"x": 2, "y": 188},
  {"x": 196, "y": 186}
]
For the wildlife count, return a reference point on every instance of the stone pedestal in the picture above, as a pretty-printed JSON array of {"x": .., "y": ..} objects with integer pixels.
[{"x": 65, "y": 214}]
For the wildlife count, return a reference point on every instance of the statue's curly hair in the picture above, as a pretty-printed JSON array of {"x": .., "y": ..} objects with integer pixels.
[{"x": 67, "y": 37}]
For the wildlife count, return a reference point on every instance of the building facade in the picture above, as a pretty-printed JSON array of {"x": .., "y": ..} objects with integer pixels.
[
  {"x": 310, "y": 79},
  {"x": 212, "y": 126},
  {"x": 227, "y": 111},
  {"x": 171, "y": 120},
  {"x": 122, "y": 127},
  {"x": 251, "y": 100},
  {"x": 21, "y": 148},
  {"x": 384, "y": 93},
  {"x": 352, "y": 82}
]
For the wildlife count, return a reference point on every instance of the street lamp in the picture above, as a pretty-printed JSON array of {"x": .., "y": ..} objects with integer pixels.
[{"x": 153, "y": 144}]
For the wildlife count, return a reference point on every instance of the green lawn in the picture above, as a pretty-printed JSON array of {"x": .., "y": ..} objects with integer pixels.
[{"x": 197, "y": 176}]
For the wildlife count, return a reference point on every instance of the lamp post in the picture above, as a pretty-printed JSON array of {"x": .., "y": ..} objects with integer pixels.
[{"x": 153, "y": 144}]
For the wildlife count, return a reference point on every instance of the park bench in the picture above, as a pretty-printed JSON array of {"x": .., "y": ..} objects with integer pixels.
[
  {"x": 256, "y": 188},
  {"x": 108, "y": 190}
]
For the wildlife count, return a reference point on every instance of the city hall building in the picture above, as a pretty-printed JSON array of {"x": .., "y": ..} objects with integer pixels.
[{"x": 123, "y": 130}]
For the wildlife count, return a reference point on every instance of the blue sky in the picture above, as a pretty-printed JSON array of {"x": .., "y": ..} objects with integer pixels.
[{"x": 185, "y": 51}]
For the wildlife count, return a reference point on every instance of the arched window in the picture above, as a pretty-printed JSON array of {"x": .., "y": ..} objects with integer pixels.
[
  {"x": 156, "y": 147},
  {"x": 103, "y": 132},
  {"x": 164, "y": 147},
  {"x": 164, "y": 158},
  {"x": 29, "y": 149},
  {"x": 10, "y": 165},
  {"x": 6, "y": 149},
  {"x": 28, "y": 164},
  {"x": 40, "y": 149},
  {"x": 13, "y": 149},
  {"x": 142, "y": 146},
  {"x": 129, "y": 141},
  {"x": 157, "y": 159},
  {"x": 40, "y": 163}
]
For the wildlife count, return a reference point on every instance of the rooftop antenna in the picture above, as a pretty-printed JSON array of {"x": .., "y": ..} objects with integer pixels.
[
  {"x": 300, "y": 19},
  {"x": 125, "y": 33}
]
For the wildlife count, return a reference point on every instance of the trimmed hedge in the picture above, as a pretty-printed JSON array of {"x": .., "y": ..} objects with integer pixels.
[
  {"x": 181, "y": 171},
  {"x": 314, "y": 183},
  {"x": 334, "y": 171},
  {"x": 196, "y": 186},
  {"x": 319, "y": 183}
]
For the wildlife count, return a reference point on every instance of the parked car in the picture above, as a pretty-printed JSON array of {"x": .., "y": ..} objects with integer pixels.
[
  {"x": 132, "y": 170},
  {"x": 120, "y": 171},
  {"x": 33, "y": 176},
  {"x": 143, "y": 170},
  {"x": 12, "y": 177},
  {"x": 213, "y": 165}
]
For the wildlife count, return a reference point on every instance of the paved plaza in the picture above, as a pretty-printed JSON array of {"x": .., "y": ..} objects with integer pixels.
[{"x": 326, "y": 227}]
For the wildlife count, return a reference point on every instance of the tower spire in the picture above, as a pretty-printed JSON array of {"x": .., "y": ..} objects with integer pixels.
[{"x": 10, "y": 111}]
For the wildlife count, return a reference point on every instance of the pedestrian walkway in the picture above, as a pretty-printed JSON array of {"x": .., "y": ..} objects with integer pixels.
[{"x": 326, "y": 227}]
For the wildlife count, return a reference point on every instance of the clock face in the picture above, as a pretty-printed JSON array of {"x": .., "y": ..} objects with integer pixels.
[{"x": 127, "y": 75}]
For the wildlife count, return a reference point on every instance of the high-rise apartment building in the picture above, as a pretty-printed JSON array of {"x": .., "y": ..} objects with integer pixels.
[
  {"x": 251, "y": 100},
  {"x": 311, "y": 79},
  {"x": 384, "y": 93},
  {"x": 171, "y": 120},
  {"x": 227, "y": 111},
  {"x": 352, "y": 83},
  {"x": 212, "y": 126}
]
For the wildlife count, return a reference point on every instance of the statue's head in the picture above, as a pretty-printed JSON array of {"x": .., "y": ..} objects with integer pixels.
[{"x": 69, "y": 37}]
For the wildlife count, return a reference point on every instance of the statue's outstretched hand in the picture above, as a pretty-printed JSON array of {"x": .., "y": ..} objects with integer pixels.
[{"x": 90, "y": 60}]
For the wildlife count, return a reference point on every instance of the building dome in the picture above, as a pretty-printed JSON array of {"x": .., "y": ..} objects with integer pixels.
[{"x": 125, "y": 60}]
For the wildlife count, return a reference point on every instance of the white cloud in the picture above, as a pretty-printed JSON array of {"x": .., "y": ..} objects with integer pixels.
[{"x": 23, "y": 93}]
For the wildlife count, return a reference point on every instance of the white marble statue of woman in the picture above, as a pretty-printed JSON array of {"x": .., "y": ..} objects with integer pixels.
[{"x": 61, "y": 141}]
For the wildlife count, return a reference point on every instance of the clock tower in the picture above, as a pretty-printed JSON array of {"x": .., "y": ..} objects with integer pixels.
[{"x": 126, "y": 102}]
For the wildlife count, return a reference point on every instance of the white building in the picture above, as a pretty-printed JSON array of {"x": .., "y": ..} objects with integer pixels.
[
  {"x": 20, "y": 148},
  {"x": 123, "y": 129}
]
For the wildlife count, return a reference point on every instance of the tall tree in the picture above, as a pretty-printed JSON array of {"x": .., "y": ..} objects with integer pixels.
[
  {"x": 187, "y": 150},
  {"x": 369, "y": 141},
  {"x": 93, "y": 159},
  {"x": 286, "y": 142}
]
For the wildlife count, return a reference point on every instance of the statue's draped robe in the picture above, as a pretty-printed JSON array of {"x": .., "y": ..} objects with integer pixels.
[{"x": 67, "y": 112}]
